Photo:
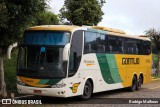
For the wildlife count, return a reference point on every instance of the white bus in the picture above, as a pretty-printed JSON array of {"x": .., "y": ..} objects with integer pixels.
[{"x": 66, "y": 61}]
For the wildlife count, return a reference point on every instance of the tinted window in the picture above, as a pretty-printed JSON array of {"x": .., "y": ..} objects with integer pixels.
[
  {"x": 146, "y": 47},
  {"x": 75, "y": 52},
  {"x": 41, "y": 62},
  {"x": 112, "y": 44},
  {"x": 139, "y": 46},
  {"x": 101, "y": 43},
  {"x": 95, "y": 43},
  {"x": 131, "y": 47},
  {"x": 46, "y": 38},
  {"x": 90, "y": 42},
  {"x": 121, "y": 42}
]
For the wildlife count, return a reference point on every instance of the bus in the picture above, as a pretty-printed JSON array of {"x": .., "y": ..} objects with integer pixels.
[{"x": 68, "y": 60}]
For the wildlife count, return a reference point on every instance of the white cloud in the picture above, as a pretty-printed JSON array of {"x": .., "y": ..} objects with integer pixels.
[{"x": 132, "y": 16}]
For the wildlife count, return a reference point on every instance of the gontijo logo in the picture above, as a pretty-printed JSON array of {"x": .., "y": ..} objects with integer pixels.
[
  {"x": 130, "y": 61},
  {"x": 74, "y": 87}
]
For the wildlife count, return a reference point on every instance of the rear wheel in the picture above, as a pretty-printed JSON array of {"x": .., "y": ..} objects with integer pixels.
[
  {"x": 87, "y": 92},
  {"x": 134, "y": 84},
  {"x": 139, "y": 83}
]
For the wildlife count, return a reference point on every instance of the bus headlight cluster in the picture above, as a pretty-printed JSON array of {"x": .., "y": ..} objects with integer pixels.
[
  {"x": 20, "y": 83},
  {"x": 59, "y": 85}
]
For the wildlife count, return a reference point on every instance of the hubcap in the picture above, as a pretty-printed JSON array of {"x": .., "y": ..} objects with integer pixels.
[
  {"x": 139, "y": 83},
  {"x": 134, "y": 84},
  {"x": 86, "y": 90}
]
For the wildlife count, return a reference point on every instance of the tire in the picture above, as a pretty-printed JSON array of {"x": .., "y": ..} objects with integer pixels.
[
  {"x": 87, "y": 92},
  {"x": 134, "y": 84},
  {"x": 139, "y": 83}
]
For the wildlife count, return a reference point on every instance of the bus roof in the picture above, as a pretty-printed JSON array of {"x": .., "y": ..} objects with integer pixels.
[
  {"x": 70, "y": 28},
  {"x": 54, "y": 27},
  {"x": 118, "y": 32},
  {"x": 109, "y": 29},
  {"x": 130, "y": 36}
]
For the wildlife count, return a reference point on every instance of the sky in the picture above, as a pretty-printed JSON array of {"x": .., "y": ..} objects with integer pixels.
[{"x": 132, "y": 16}]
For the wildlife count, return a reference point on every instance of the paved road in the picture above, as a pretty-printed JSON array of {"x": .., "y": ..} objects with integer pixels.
[{"x": 150, "y": 93}]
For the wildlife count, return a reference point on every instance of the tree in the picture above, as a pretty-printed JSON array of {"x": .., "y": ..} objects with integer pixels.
[
  {"x": 82, "y": 12},
  {"x": 46, "y": 18},
  {"x": 17, "y": 15},
  {"x": 14, "y": 18},
  {"x": 155, "y": 36}
]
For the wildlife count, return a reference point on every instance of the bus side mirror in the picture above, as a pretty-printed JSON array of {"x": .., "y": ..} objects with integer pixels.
[{"x": 66, "y": 52}]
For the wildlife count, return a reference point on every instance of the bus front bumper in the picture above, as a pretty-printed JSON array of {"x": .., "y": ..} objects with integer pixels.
[{"x": 53, "y": 92}]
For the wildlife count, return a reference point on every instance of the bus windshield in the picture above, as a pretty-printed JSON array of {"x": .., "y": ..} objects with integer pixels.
[
  {"x": 46, "y": 38},
  {"x": 41, "y": 55}
]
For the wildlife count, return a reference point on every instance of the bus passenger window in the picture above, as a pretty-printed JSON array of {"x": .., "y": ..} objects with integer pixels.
[
  {"x": 146, "y": 48},
  {"x": 90, "y": 42},
  {"x": 131, "y": 47},
  {"x": 112, "y": 43},
  {"x": 139, "y": 47},
  {"x": 121, "y": 42},
  {"x": 87, "y": 48},
  {"x": 100, "y": 43}
]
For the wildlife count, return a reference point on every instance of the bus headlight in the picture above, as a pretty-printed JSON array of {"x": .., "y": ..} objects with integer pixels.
[
  {"x": 20, "y": 83},
  {"x": 59, "y": 85}
]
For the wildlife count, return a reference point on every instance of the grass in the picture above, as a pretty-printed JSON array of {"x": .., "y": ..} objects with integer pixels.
[
  {"x": 155, "y": 58},
  {"x": 10, "y": 72},
  {"x": 156, "y": 76}
]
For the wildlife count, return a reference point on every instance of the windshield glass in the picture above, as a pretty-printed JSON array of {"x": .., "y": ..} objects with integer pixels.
[
  {"x": 42, "y": 56},
  {"x": 46, "y": 38}
]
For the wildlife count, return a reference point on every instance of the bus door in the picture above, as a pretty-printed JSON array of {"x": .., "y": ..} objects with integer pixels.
[{"x": 74, "y": 74}]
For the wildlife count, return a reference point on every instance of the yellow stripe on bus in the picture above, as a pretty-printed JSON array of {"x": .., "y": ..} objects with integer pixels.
[{"x": 32, "y": 82}]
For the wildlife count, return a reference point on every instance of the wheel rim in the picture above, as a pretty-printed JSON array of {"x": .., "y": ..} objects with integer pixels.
[
  {"x": 86, "y": 90},
  {"x": 140, "y": 83}
]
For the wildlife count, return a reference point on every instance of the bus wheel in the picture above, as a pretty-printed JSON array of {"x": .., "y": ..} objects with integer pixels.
[
  {"x": 139, "y": 83},
  {"x": 87, "y": 91},
  {"x": 134, "y": 84}
]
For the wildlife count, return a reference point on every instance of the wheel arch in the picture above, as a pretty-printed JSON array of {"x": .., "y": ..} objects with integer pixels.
[
  {"x": 91, "y": 81},
  {"x": 135, "y": 76}
]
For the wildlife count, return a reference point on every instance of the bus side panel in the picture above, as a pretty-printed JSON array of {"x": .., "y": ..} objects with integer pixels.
[
  {"x": 103, "y": 70},
  {"x": 113, "y": 71},
  {"x": 129, "y": 65},
  {"x": 148, "y": 68}
]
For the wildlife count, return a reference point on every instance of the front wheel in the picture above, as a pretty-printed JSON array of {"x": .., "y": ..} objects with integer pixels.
[{"x": 87, "y": 92}]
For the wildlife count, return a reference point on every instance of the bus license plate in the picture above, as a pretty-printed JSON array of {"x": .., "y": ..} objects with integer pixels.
[{"x": 37, "y": 91}]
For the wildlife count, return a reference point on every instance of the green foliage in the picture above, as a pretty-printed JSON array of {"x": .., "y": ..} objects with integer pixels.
[
  {"x": 154, "y": 35},
  {"x": 82, "y": 12},
  {"x": 10, "y": 72},
  {"x": 154, "y": 48},
  {"x": 155, "y": 58},
  {"x": 15, "y": 17},
  {"x": 46, "y": 18},
  {"x": 4, "y": 15}
]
